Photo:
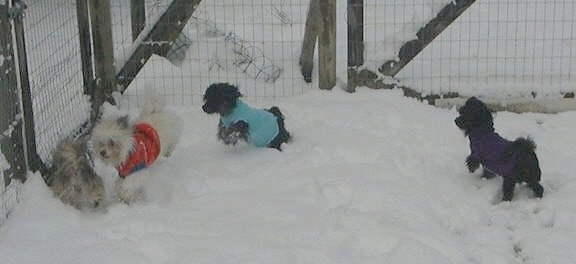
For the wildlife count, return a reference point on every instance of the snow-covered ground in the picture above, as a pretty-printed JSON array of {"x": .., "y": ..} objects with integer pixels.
[{"x": 371, "y": 177}]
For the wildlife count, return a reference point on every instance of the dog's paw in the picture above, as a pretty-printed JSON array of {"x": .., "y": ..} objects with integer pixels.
[
  {"x": 130, "y": 190},
  {"x": 232, "y": 138},
  {"x": 488, "y": 174},
  {"x": 128, "y": 196},
  {"x": 472, "y": 164},
  {"x": 538, "y": 190}
]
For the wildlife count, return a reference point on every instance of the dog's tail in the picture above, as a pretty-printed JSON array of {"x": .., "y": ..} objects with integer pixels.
[
  {"x": 525, "y": 158},
  {"x": 520, "y": 145},
  {"x": 524, "y": 144},
  {"x": 154, "y": 102},
  {"x": 520, "y": 148}
]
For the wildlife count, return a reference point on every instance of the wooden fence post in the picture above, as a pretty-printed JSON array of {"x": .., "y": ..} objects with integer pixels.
[
  {"x": 33, "y": 160},
  {"x": 327, "y": 45},
  {"x": 355, "y": 32},
  {"x": 83, "y": 17},
  {"x": 137, "y": 16},
  {"x": 103, "y": 54},
  {"x": 11, "y": 120},
  {"x": 309, "y": 42},
  {"x": 321, "y": 29},
  {"x": 355, "y": 41}
]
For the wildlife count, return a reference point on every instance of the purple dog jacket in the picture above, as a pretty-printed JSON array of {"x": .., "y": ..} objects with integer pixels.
[{"x": 487, "y": 147}]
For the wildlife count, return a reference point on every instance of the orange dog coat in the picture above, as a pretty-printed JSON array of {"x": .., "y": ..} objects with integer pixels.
[{"x": 144, "y": 152}]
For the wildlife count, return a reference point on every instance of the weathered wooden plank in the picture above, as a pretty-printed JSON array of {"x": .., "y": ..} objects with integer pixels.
[
  {"x": 83, "y": 18},
  {"x": 355, "y": 32},
  {"x": 309, "y": 43},
  {"x": 11, "y": 120},
  {"x": 137, "y": 16},
  {"x": 327, "y": 45},
  {"x": 103, "y": 54},
  {"x": 355, "y": 41},
  {"x": 158, "y": 40}
]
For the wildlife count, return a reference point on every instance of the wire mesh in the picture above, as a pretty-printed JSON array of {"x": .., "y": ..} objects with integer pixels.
[
  {"x": 516, "y": 49},
  {"x": 254, "y": 44},
  {"x": 52, "y": 46},
  {"x": 10, "y": 195},
  {"x": 391, "y": 23}
]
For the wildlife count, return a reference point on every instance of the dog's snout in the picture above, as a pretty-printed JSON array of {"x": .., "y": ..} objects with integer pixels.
[
  {"x": 208, "y": 109},
  {"x": 458, "y": 121},
  {"x": 103, "y": 153}
]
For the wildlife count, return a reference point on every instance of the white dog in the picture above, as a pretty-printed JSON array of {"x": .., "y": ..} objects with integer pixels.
[{"x": 131, "y": 147}]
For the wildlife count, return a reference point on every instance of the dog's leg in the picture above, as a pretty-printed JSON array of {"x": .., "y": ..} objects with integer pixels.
[
  {"x": 472, "y": 163},
  {"x": 508, "y": 188},
  {"x": 221, "y": 131},
  {"x": 537, "y": 189},
  {"x": 535, "y": 176},
  {"x": 230, "y": 135},
  {"x": 488, "y": 174},
  {"x": 533, "y": 180},
  {"x": 528, "y": 167},
  {"x": 283, "y": 134},
  {"x": 131, "y": 188}
]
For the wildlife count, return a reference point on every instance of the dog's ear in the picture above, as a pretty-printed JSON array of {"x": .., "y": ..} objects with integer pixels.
[
  {"x": 231, "y": 91},
  {"x": 122, "y": 122},
  {"x": 222, "y": 90},
  {"x": 477, "y": 114}
]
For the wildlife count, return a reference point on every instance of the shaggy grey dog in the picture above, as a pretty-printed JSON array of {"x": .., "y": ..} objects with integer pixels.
[{"x": 72, "y": 177}]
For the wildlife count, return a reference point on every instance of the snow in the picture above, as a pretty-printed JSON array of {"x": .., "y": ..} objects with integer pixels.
[{"x": 371, "y": 177}]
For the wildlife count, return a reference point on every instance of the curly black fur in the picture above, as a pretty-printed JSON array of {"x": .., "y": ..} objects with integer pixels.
[
  {"x": 221, "y": 98},
  {"x": 476, "y": 116}
]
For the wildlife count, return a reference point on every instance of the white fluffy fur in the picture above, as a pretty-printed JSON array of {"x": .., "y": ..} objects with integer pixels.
[{"x": 112, "y": 141}]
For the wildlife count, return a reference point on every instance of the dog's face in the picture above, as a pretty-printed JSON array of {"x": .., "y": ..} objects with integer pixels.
[
  {"x": 220, "y": 98},
  {"x": 474, "y": 114},
  {"x": 112, "y": 140}
]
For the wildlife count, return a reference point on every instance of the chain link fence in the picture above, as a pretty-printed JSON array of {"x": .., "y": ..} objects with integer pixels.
[
  {"x": 516, "y": 50},
  {"x": 60, "y": 106},
  {"x": 254, "y": 44},
  {"x": 505, "y": 48}
]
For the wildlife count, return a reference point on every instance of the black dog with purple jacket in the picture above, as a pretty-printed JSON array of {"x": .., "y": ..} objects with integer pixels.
[{"x": 515, "y": 161}]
